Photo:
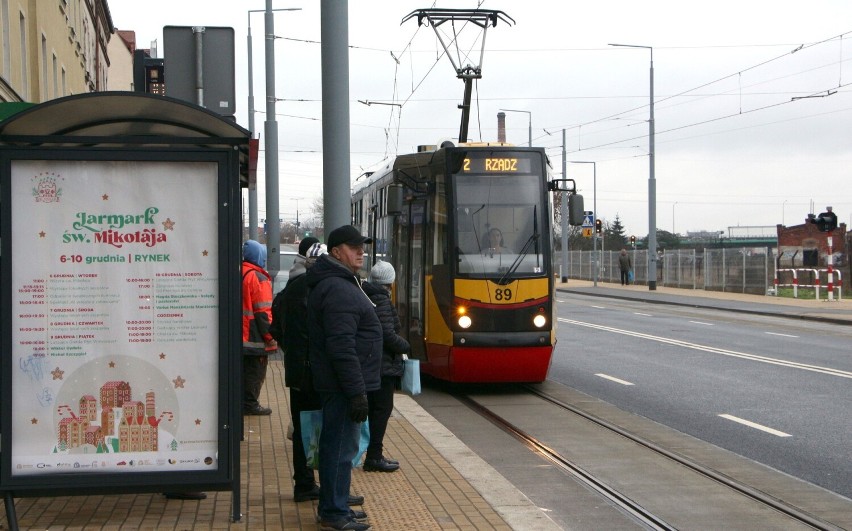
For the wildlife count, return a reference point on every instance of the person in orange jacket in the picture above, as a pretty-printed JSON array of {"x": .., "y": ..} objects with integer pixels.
[{"x": 257, "y": 316}]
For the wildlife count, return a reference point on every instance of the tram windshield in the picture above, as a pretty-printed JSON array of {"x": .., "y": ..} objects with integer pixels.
[{"x": 499, "y": 222}]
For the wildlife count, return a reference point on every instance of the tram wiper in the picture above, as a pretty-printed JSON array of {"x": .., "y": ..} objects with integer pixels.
[
  {"x": 475, "y": 234},
  {"x": 533, "y": 239}
]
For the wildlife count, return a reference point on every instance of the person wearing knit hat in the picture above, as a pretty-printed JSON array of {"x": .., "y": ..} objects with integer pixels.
[
  {"x": 297, "y": 373},
  {"x": 382, "y": 273},
  {"x": 298, "y": 267},
  {"x": 380, "y": 402},
  {"x": 306, "y": 244}
]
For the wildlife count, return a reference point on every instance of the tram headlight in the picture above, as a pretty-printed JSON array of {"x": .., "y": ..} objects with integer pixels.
[
  {"x": 464, "y": 319},
  {"x": 540, "y": 320}
]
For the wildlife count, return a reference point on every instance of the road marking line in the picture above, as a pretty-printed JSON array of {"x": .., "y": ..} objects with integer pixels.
[
  {"x": 716, "y": 350},
  {"x": 614, "y": 379},
  {"x": 782, "y": 335},
  {"x": 754, "y": 425},
  {"x": 645, "y": 314},
  {"x": 599, "y": 307},
  {"x": 699, "y": 322}
]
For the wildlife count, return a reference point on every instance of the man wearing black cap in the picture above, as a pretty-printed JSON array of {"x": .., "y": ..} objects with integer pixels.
[{"x": 345, "y": 349}]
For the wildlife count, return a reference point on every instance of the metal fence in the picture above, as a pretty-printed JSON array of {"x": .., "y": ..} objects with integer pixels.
[{"x": 738, "y": 270}]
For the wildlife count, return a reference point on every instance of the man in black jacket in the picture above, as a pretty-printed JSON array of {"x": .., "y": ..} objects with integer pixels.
[{"x": 345, "y": 347}]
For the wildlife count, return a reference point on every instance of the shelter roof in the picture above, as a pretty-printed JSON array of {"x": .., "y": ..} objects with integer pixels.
[{"x": 125, "y": 119}]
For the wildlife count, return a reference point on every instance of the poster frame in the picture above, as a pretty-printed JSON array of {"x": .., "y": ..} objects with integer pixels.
[{"x": 226, "y": 475}]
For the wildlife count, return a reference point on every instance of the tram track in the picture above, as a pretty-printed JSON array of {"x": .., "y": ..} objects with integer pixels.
[{"x": 643, "y": 515}]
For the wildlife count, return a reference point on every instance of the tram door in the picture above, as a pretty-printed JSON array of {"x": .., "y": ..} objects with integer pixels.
[{"x": 411, "y": 300}]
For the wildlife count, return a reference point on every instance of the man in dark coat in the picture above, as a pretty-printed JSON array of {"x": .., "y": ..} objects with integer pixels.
[{"x": 345, "y": 347}]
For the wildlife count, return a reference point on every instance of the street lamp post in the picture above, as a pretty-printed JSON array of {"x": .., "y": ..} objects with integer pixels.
[
  {"x": 674, "y": 230},
  {"x": 783, "y": 205},
  {"x": 595, "y": 211},
  {"x": 530, "y": 123},
  {"x": 652, "y": 182},
  {"x": 298, "y": 224}
]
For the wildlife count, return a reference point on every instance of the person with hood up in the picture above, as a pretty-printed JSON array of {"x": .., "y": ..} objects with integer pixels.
[
  {"x": 257, "y": 316},
  {"x": 382, "y": 276},
  {"x": 345, "y": 350}
]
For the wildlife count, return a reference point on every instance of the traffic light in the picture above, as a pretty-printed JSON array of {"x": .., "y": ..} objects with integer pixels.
[
  {"x": 633, "y": 240},
  {"x": 598, "y": 226},
  {"x": 827, "y": 221}
]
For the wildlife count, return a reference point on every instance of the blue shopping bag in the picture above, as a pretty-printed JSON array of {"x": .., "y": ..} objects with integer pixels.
[
  {"x": 630, "y": 276},
  {"x": 311, "y": 431},
  {"x": 411, "y": 376}
]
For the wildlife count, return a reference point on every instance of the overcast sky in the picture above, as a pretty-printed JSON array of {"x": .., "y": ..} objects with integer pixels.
[{"x": 753, "y": 109}]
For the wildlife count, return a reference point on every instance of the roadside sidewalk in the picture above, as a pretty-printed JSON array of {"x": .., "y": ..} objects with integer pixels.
[{"x": 837, "y": 312}]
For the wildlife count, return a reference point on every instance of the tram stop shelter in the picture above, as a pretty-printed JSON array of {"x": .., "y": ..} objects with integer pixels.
[{"x": 120, "y": 297}]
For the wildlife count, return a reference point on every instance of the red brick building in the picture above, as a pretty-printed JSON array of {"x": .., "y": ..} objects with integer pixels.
[{"x": 805, "y": 246}]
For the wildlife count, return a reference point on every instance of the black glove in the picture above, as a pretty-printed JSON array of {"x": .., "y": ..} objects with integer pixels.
[{"x": 358, "y": 408}]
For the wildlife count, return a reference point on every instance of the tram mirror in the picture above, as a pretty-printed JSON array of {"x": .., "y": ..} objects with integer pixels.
[
  {"x": 395, "y": 193},
  {"x": 575, "y": 210}
]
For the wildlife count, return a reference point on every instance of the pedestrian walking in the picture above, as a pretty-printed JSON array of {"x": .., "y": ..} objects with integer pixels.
[{"x": 345, "y": 348}]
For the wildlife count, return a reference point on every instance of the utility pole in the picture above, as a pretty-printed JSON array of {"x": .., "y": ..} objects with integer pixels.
[
  {"x": 270, "y": 128},
  {"x": 564, "y": 214},
  {"x": 334, "y": 34},
  {"x": 652, "y": 182}
]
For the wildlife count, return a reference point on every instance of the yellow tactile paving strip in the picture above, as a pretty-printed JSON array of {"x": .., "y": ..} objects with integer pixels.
[{"x": 426, "y": 493}]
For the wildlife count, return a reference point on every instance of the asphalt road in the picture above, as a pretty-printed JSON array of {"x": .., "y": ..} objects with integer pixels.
[{"x": 772, "y": 389}]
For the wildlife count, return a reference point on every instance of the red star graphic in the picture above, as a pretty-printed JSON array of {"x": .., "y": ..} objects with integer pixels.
[
  {"x": 57, "y": 373},
  {"x": 33, "y": 420},
  {"x": 179, "y": 382},
  {"x": 162, "y": 356},
  {"x": 204, "y": 253},
  {"x": 105, "y": 197},
  {"x": 42, "y": 234},
  {"x": 198, "y": 422},
  {"x": 112, "y": 365},
  {"x": 168, "y": 224}
]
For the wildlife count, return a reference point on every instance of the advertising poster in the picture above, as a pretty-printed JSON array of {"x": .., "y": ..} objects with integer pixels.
[{"x": 115, "y": 305}]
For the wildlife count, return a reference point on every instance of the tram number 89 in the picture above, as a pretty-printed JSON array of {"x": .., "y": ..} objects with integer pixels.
[{"x": 503, "y": 294}]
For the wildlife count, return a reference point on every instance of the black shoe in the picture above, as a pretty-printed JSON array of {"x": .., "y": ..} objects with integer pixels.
[
  {"x": 307, "y": 495},
  {"x": 358, "y": 516},
  {"x": 351, "y": 525},
  {"x": 185, "y": 495},
  {"x": 380, "y": 465},
  {"x": 355, "y": 500},
  {"x": 257, "y": 410}
]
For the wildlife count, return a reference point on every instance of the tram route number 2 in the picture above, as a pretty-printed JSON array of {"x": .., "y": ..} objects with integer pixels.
[{"x": 503, "y": 294}]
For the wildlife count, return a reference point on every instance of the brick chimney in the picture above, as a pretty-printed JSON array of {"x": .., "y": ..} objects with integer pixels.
[{"x": 501, "y": 127}]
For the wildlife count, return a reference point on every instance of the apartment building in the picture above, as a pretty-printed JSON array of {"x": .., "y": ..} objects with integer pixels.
[{"x": 53, "y": 48}]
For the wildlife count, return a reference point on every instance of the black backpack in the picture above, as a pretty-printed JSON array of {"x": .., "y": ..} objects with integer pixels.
[{"x": 278, "y": 317}]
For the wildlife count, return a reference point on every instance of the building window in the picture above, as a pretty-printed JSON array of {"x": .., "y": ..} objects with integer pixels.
[
  {"x": 64, "y": 83},
  {"x": 55, "y": 77}
]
